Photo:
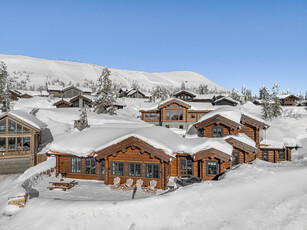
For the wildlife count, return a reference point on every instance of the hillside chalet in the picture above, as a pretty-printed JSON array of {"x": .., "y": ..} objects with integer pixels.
[
  {"x": 175, "y": 113},
  {"x": 288, "y": 100},
  {"x": 139, "y": 153},
  {"x": 19, "y": 140},
  {"x": 228, "y": 122},
  {"x": 68, "y": 92},
  {"x": 134, "y": 93}
]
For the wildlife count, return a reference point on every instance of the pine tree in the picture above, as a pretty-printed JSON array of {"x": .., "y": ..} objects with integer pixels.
[
  {"x": 266, "y": 105},
  {"x": 182, "y": 87},
  {"x": 276, "y": 107},
  {"x": 161, "y": 93},
  {"x": 3, "y": 79},
  {"x": 203, "y": 89},
  {"x": 106, "y": 95},
  {"x": 234, "y": 94}
]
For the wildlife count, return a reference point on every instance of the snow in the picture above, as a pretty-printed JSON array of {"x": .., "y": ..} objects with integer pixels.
[
  {"x": 26, "y": 117},
  {"x": 207, "y": 96},
  {"x": 76, "y": 73},
  {"x": 242, "y": 137},
  {"x": 89, "y": 141},
  {"x": 184, "y": 91}
]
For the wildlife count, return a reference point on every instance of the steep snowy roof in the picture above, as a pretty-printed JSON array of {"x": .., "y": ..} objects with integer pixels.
[
  {"x": 231, "y": 113},
  {"x": 26, "y": 117},
  {"x": 61, "y": 88},
  {"x": 228, "y": 99},
  {"x": 276, "y": 139},
  {"x": 185, "y": 91},
  {"x": 95, "y": 139},
  {"x": 285, "y": 96},
  {"x": 242, "y": 137}
]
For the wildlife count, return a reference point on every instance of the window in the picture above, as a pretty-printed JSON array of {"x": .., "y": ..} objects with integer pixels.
[
  {"x": 19, "y": 128},
  {"x": 152, "y": 170},
  {"x": 186, "y": 166},
  {"x": 158, "y": 116},
  {"x": 19, "y": 143},
  {"x": 265, "y": 155},
  {"x": 26, "y": 130},
  {"x": 193, "y": 115},
  {"x": 117, "y": 168},
  {"x": 26, "y": 143},
  {"x": 152, "y": 116},
  {"x": 281, "y": 154},
  {"x": 3, "y": 126},
  {"x": 236, "y": 155},
  {"x": 11, "y": 126},
  {"x": 217, "y": 131},
  {"x": 12, "y": 143},
  {"x": 75, "y": 165},
  {"x": 212, "y": 168},
  {"x": 135, "y": 169},
  {"x": 180, "y": 126},
  {"x": 146, "y": 116},
  {"x": 2, "y": 144},
  {"x": 90, "y": 166}
]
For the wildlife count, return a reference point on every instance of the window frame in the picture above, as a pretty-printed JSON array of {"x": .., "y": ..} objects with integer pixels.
[
  {"x": 217, "y": 131},
  {"x": 78, "y": 167},
  {"x": 8, "y": 143},
  {"x": 5, "y": 147},
  {"x": 134, "y": 169},
  {"x": 237, "y": 159},
  {"x": 5, "y": 126},
  {"x": 186, "y": 162},
  {"x": 23, "y": 143},
  {"x": 207, "y": 168},
  {"x": 91, "y": 166},
  {"x": 152, "y": 166},
  {"x": 265, "y": 152},
  {"x": 283, "y": 154},
  {"x": 117, "y": 162}
]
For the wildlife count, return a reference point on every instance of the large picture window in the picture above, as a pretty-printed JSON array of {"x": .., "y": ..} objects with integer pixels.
[
  {"x": 2, "y": 144},
  {"x": 117, "y": 168},
  {"x": 186, "y": 166},
  {"x": 152, "y": 170},
  {"x": 174, "y": 112},
  {"x": 19, "y": 143},
  {"x": 90, "y": 166},
  {"x": 134, "y": 169},
  {"x": 217, "y": 131},
  {"x": 26, "y": 143},
  {"x": 11, "y": 126},
  {"x": 75, "y": 165},
  {"x": 265, "y": 155},
  {"x": 19, "y": 128},
  {"x": 12, "y": 143},
  {"x": 212, "y": 168},
  {"x": 3, "y": 126}
]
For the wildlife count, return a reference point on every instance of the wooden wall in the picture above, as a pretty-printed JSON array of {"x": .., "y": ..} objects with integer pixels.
[{"x": 208, "y": 130}]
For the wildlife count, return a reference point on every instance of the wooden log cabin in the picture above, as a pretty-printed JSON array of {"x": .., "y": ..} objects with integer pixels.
[
  {"x": 288, "y": 100},
  {"x": 20, "y": 134},
  {"x": 175, "y": 113},
  {"x": 68, "y": 92},
  {"x": 139, "y": 153},
  {"x": 242, "y": 131}
]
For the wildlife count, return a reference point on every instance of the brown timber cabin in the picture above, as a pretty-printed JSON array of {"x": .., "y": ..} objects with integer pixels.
[{"x": 20, "y": 134}]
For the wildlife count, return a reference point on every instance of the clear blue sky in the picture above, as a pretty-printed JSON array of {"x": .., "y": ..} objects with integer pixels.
[{"x": 230, "y": 42}]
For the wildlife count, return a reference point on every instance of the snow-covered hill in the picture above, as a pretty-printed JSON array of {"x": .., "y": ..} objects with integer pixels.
[{"x": 39, "y": 70}]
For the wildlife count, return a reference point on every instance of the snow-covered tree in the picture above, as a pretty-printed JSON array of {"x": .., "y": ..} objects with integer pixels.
[
  {"x": 3, "y": 79},
  {"x": 160, "y": 93},
  {"x": 203, "y": 89},
  {"x": 276, "y": 107},
  {"x": 234, "y": 94},
  {"x": 106, "y": 94},
  {"x": 182, "y": 86},
  {"x": 266, "y": 103}
]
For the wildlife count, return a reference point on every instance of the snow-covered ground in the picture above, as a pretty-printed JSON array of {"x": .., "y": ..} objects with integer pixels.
[{"x": 261, "y": 195}]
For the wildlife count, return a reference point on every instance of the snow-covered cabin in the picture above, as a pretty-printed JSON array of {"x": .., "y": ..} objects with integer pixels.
[
  {"x": 225, "y": 101},
  {"x": 228, "y": 122},
  {"x": 185, "y": 95},
  {"x": 134, "y": 93},
  {"x": 175, "y": 113},
  {"x": 68, "y": 92},
  {"x": 19, "y": 139},
  {"x": 288, "y": 100},
  {"x": 146, "y": 153}
]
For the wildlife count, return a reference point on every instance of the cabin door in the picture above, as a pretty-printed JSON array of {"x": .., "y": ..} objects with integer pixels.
[{"x": 102, "y": 171}]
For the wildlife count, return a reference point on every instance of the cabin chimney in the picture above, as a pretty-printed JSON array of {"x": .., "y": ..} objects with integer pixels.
[{"x": 82, "y": 123}]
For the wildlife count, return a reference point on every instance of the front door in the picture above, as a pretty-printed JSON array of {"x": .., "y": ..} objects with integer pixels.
[{"x": 102, "y": 172}]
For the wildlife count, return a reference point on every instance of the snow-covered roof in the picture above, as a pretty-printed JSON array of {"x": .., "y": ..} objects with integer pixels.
[
  {"x": 228, "y": 99},
  {"x": 61, "y": 88},
  {"x": 185, "y": 91},
  {"x": 242, "y": 137},
  {"x": 231, "y": 113},
  {"x": 274, "y": 138},
  {"x": 132, "y": 91},
  {"x": 285, "y": 96},
  {"x": 26, "y": 117},
  {"x": 208, "y": 96},
  {"x": 96, "y": 139}
]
